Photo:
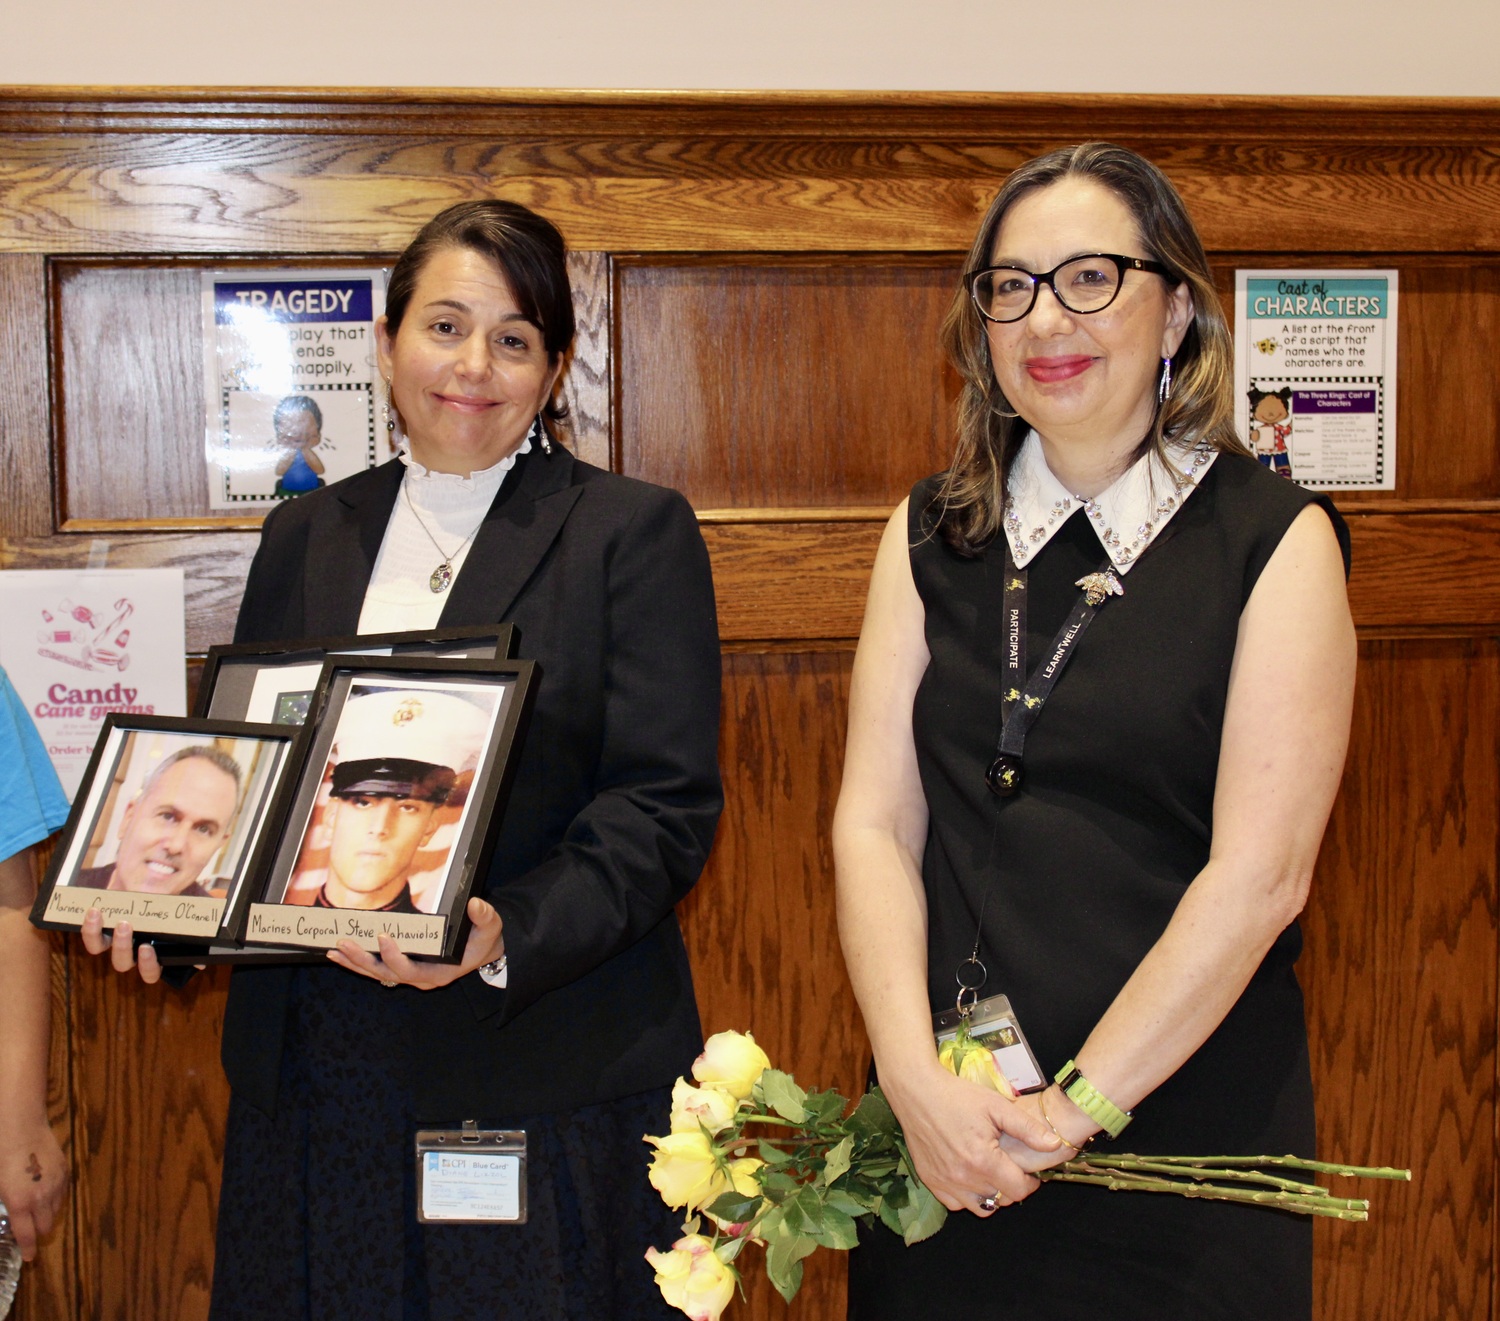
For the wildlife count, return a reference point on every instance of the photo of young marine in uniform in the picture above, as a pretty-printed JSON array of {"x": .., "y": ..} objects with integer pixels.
[{"x": 400, "y": 767}]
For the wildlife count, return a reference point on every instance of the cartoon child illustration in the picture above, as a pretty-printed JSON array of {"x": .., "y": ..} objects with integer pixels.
[
  {"x": 299, "y": 430},
  {"x": 1271, "y": 427}
]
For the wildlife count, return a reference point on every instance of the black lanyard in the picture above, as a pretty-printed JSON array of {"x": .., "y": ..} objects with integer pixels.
[{"x": 1022, "y": 699}]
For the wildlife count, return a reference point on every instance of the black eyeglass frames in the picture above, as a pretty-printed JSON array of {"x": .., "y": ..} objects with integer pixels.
[{"x": 1085, "y": 284}]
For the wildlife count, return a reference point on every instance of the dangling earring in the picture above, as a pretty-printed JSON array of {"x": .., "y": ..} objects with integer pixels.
[
  {"x": 385, "y": 409},
  {"x": 540, "y": 437},
  {"x": 1164, "y": 385}
]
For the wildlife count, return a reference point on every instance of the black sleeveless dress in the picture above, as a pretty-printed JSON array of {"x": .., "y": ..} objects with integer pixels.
[{"x": 1084, "y": 868}]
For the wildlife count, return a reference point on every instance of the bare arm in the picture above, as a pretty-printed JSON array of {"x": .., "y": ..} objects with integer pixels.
[
  {"x": 879, "y": 834},
  {"x": 1286, "y": 730},
  {"x": 33, "y": 1174}
]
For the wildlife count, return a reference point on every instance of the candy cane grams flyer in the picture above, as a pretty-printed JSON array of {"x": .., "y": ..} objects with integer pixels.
[{"x": 79, "y": 644}]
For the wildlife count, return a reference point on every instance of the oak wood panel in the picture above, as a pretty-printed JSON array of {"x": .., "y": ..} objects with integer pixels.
[
  {"x": 150, "y": 1105},
  {"x": 820, "y": 115},
  {"x": 300, "y": 192},
  {"x": 49, "y": 1285},
  {"x": 807, "y": 579},
  {"x": 748, "y": 383},
  {"x": 1400, "y": 972},
  {"x": 760, "y": 925},
  {"x": 130, "y": 393},
  {"x": 795, "y": 580},
  {"x": 24, "y": 407}
]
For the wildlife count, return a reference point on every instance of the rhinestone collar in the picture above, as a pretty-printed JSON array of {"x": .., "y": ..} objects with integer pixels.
[{"x": 1127, "y": 517}]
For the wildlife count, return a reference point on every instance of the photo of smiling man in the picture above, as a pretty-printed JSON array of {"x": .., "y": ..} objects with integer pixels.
[
  {"x": 173, "y": 827},
  {"x": 400, "y": 768}
]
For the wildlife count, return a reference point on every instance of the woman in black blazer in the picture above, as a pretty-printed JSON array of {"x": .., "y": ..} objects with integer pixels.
[{"x": 572, "y": 1010}]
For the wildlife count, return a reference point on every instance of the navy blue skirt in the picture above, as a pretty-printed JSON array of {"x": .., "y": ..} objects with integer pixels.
[{"x": 317, "y": 1213}]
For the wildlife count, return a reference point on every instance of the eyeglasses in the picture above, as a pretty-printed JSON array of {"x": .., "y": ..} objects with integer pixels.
[{"x": 1081, "y": 284}]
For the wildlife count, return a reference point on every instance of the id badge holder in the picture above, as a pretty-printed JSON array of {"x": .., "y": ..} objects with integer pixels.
[
  {"x": 471, "y": 1176},
  {"x": 993, "y": 1023}
]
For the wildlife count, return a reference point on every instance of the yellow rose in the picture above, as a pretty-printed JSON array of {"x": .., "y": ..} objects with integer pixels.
[
  {"x": 685, "y": 1170},
  {"x": 741, "y": 1178},
  {"x": 979, "y": 1066},
  {"x": 692, "y": 1279},
  {"x": 709, "y": 1106},
  {"x": 970, "y": 1059},
  {"x": 731, "y": 1061}
]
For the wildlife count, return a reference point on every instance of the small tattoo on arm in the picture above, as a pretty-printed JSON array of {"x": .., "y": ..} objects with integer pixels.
[{"x": 34, "y": 1168}]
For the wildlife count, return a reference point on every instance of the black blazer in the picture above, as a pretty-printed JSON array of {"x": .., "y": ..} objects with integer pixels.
[{"x": 615, "y": 801}]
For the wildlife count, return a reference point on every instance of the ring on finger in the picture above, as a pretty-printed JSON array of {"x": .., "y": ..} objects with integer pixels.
[
  {"x": 389, "y": 981},
  {"x": 990, "y": 1203}
]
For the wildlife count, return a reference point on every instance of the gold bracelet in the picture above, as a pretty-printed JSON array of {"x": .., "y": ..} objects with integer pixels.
[{"x": 1041, "y": 1102}]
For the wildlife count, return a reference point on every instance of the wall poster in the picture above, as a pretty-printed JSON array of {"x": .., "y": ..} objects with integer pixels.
[
  {"x": 83, "y": 644},
  {"x": 291, "y": 382},
  {"x": 1315, "y": 374}
]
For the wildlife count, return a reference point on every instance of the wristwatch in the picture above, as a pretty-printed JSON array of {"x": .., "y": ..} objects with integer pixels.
[{"x": 1091, "y": 1100}]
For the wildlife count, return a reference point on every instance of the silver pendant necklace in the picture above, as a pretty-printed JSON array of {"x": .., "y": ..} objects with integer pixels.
[{"x": 441, "y": 577}]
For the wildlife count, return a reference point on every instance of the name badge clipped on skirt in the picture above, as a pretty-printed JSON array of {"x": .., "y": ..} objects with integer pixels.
[
  {"x": 471, "y": 1176},
  {"x": 993, "y": 1023}
]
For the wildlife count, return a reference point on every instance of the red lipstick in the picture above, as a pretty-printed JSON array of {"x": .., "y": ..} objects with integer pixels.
[{"x": 1063, "y": 367}]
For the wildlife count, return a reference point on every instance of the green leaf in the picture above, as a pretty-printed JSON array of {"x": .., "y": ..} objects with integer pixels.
[
  {"x": 735, "y": 1208},
  {"x": 824, "y": 1107},
  {"x": 783, "y": 1095},
  {"x": 770, "y": 1224},
  {"x": 778, "y": 1184},
  {"x": 898, "y": 1195},
  {"x": 836, "y": 1163},
  {"x": 872, "y": 1117},
  {"x": 890, "y": 1217},
  {"x": 850, "y": 1205},
  {"x": 922, "y": 1216},
  {"x": 784, "y": 1262},
  {"x": 838, "y": 1230}
]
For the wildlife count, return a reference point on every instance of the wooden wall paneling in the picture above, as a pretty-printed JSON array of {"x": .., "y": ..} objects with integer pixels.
[
  {"x": 759, "y": 383},
  {"x": 49, "y": 1285},
  {"x": 130, "y": 390},
  {"x": 760, "y": 925},
  {"x": 25, "y": 451},
  {"x": 150, "y": 1102},
  {"x": 707, "y": 174},
  {"x": 803, "y": 580},
  {"x": 1400, "y": 974}
]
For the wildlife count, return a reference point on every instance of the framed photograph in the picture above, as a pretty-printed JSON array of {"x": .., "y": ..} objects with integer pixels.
[
  {"x": 273, "y": 684},
  {"x": 397, "y": 804},
  {"x": 171, "y": 826}
]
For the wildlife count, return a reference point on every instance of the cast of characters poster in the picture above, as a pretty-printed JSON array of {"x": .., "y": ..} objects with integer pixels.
[
  {"x": 291, "y": 382},
  {"x": 80, "y": 644},
  {"x": 1315, "y": 374}
]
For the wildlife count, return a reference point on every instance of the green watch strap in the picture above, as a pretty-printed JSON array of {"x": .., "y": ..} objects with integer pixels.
[{"x": 1091, "y": 1100}]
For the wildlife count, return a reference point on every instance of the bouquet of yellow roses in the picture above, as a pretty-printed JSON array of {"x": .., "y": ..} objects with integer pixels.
[{"x": 768, "y": 1163}]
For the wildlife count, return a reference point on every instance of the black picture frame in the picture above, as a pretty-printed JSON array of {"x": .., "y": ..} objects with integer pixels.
[
  {"x": 231, "y": 671},
  {"x": 153, "y": 800},
  {"x": 300, "y": 901}
]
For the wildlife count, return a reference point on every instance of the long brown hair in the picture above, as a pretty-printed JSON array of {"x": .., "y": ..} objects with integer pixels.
[{"x": 970, "y": 503}]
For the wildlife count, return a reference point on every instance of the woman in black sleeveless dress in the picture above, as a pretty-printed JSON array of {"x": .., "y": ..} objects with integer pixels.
[{"x": 1136, "y": 897}]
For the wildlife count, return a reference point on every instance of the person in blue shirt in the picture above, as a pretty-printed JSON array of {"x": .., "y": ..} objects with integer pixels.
[{"x": 33, "y": 1173}]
